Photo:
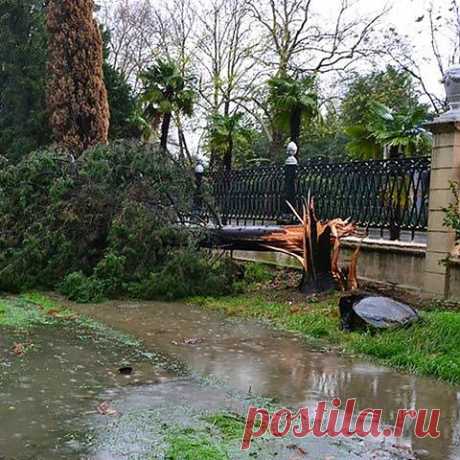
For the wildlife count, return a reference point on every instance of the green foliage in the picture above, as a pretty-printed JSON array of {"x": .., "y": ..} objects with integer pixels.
[
  {"x": 228, "y": 139},
  {"x": 23, "y": 58},
  {"x": 292, "y": 100},
  {"x": 256, "y": 273},
  {"x": 186, "y": 275},
  {"x": 452, "y": 218},
  {"x": 230, "y": 426},
  {"x": 191, "y": 445},
  {"x": 401, "y": 130},
  {"x": 165, "y": 91},
  {"x": 430, "y": 347},
  {"x": 106, "y": 225},
  {"x": 382, "y": 108},
  {"x": 23, "y": 79},
  {"x": 83, "y": 289},
  {"x": 30, "y": 310},
  {"x": 323, "y": 136}
]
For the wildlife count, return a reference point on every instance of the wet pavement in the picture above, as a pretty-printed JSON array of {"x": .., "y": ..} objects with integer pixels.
[
  {"x": 49, "y": 397},
  {"x": 251, "y": 357}
]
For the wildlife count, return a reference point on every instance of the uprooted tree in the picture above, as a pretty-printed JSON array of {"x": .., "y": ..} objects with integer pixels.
[
  {"x": 315, "y": 244},
  {"x": 77, "y": 97}
]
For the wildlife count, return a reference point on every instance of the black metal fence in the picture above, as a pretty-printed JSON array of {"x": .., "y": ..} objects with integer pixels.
[{"x": 388, "y": 195}]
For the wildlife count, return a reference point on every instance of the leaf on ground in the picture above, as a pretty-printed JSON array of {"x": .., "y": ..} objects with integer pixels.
[
  {"x": 19, "y": 349},
  {"x": 189, "y": 341},
  {"x": 105, "y": 408},
  {"x": 299, "y": 451}
]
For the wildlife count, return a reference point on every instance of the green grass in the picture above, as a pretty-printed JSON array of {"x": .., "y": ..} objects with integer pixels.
[
  {"x": 230, "y": 426},
  {"x": 430, "y": 347},
  {"x": 30, "y": 310},
  {"x": 192, "y": 445}
]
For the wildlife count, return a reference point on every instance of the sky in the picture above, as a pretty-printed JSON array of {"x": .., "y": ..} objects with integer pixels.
[{"x": 403, "y": 15}]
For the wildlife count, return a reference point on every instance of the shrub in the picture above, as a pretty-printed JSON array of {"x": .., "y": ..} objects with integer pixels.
[
  {"x": 107, "y": 224},
  {"x": 452, "y": 218}
]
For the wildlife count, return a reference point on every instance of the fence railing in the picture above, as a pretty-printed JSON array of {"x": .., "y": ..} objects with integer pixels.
[{"x": 388, "y": 195}]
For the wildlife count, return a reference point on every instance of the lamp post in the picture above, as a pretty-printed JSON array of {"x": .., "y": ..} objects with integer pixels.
[
  {"x": 290, "y": 176},
  {"x": 197, "y": 199}
]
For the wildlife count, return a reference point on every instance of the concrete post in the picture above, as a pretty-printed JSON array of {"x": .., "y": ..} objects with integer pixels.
[{"x": 445, "y": 168}]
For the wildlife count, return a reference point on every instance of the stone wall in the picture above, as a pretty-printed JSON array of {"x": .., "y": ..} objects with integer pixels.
[
  {"x": 454, "y": 279},
  {"x": 384, "y": 262}
]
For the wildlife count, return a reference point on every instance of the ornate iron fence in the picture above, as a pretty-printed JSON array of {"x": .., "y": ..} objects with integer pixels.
[{"x": 387, "y": 195}]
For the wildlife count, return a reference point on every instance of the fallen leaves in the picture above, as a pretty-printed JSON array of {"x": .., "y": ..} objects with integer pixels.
[
  {"x": 189, "y": 341},
  {"x": 299, "y": 451},
  {"x": 105, "y": 408},
  {"x": 19, "y": 349}
]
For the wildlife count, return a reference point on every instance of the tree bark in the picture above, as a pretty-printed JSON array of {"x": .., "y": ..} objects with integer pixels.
[
  {"x": 295, "y": 124},
  {"x": 165, "y": 130},
  {"x": 228, "y": 157},
  {"x": 311, "y": 243},
  {"x": 77, "y": 97}
]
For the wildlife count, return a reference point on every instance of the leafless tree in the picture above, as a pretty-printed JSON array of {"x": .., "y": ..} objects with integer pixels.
[
  {"x": 133, "y": 35},
  {"x": 226, "y": 49},
  {"x": 298, "y": 38},
  {"x": 442, "y": 27}
]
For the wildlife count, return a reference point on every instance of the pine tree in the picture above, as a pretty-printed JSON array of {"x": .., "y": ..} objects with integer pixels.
[
  {"x": 77, "y": 97},
  {"x": 23, "y": 56}
]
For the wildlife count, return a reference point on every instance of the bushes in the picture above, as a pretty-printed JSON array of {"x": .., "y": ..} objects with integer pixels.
[
  {"x": 452, "y": 218},
  {"x": 104, "y": 225}
]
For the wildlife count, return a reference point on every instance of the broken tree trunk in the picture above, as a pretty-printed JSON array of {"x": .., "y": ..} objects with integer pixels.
[{"x": 315, "y": 244}]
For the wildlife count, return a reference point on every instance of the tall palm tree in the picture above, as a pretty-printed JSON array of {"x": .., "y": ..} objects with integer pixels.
[
  {"x": 292, "y": 99},
  {"x": 226, "y": 136},
  {"x": 165, "y": 91}
]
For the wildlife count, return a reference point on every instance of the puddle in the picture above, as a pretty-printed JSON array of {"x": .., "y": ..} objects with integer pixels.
[
  {"x": 45, "y": 393},
  {"x": 248, "y": 356}
]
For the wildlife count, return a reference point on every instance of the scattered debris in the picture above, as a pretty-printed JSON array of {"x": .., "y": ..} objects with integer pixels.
[
  {"x": 19, "y": 349},
  {"x": 105, "y": 408},
  {"x": 315, "y": 244},
  {"x": 298, "y": 450},
  {"x": 189, "y": 341},
  {"x": 362, "y": 310}
]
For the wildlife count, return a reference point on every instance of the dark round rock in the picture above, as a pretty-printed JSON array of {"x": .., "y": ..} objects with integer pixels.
[{"x": 384, "y": 313}]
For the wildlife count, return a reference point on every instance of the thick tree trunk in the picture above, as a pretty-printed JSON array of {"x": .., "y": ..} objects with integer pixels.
[
  {"x": 295, "y": 123},
  {"x": 228, "y": 157},
  {"x": 314, "y": 244},
  {"x": 165, "y": 130},
  {"x": 276, "y": 146}
]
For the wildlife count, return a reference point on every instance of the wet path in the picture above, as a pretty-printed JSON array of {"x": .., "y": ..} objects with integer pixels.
[{"x": 248, "y": 356}]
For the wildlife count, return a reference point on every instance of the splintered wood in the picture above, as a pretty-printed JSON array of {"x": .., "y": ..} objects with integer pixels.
[{"x": 315, "y": 244}]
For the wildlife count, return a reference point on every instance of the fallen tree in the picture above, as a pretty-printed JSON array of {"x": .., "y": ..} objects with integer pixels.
[{"x": 315, "y": 244}]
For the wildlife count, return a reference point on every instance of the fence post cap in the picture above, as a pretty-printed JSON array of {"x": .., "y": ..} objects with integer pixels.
[
  {"x": 292, "y": 151},
  {"x": 199, "y": 169}
]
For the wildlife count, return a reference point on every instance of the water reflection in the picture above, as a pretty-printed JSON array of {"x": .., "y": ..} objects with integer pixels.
[{"x": 249, "y": 356}]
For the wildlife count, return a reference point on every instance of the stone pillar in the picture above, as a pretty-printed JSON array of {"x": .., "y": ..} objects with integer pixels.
[{"x": 445, "y": 168}]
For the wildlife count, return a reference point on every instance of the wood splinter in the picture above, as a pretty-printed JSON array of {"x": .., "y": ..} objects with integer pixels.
[{"x": 315, "y": 244}]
